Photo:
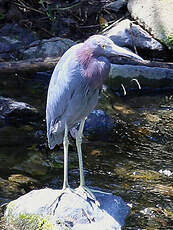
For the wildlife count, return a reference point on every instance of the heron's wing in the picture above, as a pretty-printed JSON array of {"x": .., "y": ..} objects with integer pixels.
[{"x": 65, "y": 79}]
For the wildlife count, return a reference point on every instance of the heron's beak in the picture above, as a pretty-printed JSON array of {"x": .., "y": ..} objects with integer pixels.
[{"x": 115, "y": 50}]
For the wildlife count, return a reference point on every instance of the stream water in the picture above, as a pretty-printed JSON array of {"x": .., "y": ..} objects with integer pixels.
[{"x": 135, "y": 162}]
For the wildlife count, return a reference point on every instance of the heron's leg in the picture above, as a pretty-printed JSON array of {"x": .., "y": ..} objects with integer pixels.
[
  {"x": 79, "y": 151},
  {"x": 66, "y": 144},
  {"x": 82, "y": 186},
  {"x": 66, "y": 188}
]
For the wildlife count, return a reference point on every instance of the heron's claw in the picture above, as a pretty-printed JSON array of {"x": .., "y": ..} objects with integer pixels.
[
  {"x": 85, "y": 192},
  {"x": 65, "y": 190}
]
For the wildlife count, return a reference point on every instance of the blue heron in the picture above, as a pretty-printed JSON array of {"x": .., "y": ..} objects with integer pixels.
[{"x": 74, "y": 90}]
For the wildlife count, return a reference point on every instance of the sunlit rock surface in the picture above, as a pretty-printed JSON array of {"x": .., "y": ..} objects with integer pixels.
[
  {"x": 47, "y": 209},
  {"x": 139, "y": 72},
  {"x": 156, "y": 16},
  {"x": 128, "y": 34}
]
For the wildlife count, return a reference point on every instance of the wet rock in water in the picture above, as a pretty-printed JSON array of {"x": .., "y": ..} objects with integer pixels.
[
  {"x": 34, "y": 165},
  {"x": 16, "y": 185},
  {"x": 10, "y": 189},
  {"x": 21, "y": 179},
  {"x": 98, "y": 124},
  {"x": 46, "y": 208},
  {"x": 20, "y": 111}
]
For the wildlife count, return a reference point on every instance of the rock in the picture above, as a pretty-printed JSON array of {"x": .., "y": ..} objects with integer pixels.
[
  {"x": 21, "y": 179},
  {"x": 7, "y": 47},
  {"x": 34, "y": 165},
  {"x": 130, "y": 35},
  {"x": 16, "y": 185},
  {"x": 134, "y": 71},
  {"x": 14, "y": 31},
  {"x": 156, "y": 16},
  {"x": 98, "y": 124},
  {"x": 13, "y": 39},
  {"x": 48, "y": 47},
  {"x": 10, "y": 190},
  {"x": 116, "y": 5},
  {"x": 154, "y": 77},
  {"x": 48, "y": 209},
  {"x": 20, "y": 111}
]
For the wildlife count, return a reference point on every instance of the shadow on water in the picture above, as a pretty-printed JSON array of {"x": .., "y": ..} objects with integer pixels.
[{"x": 135, "y": 162}]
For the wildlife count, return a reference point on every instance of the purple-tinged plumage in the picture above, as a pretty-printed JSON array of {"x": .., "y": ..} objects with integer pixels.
[{"x": 95, "y": 68}]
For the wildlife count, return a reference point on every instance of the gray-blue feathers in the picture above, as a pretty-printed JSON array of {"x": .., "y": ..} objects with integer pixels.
[
  {"x": 69, "y": 97},
  {"x": 74, "y": 88}
]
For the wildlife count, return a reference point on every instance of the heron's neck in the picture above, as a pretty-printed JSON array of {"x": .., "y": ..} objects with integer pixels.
[
  {"x": 94, "y": 69},
  {"x": 85, "y": 55}
]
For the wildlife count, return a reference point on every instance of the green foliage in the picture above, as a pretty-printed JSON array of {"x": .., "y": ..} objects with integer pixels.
[
  {"x": 170, "y": 40},
  {"x": 49, "y": 11},
  {"x": 2, "y": 16},
  {"x": 42, "y": 2}
]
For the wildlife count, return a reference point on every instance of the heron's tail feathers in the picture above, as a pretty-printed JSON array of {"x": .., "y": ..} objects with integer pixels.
[
  {"x": 55, "y": 133},
  {"x": 54, "y": 139}
]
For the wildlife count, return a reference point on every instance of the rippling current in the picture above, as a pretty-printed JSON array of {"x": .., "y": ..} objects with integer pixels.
[{"x": 134, "y": 162}]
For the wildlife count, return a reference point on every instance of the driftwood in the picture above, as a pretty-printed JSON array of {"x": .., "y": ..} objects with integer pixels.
[
  {"x": 44, "y": 64},
  {"x": 29, "y": 65}
]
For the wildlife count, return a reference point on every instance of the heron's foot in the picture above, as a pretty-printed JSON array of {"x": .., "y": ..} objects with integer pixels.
[
  {"x": 64, "y": 190},
  {"x": 86, "y": 193},
  {"x": 67, "y": 190}
]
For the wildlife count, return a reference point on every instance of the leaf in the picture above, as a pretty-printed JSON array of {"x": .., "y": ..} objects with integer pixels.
[{"x": 103, "y": 22}]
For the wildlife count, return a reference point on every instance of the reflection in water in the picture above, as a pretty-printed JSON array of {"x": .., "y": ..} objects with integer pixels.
[{"x": 130, "y": 164}]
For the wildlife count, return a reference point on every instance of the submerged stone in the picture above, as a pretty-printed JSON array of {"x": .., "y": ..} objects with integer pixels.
[
  {"x": 53, "y": 210},
  {"x": 99, "y": 124},
  {"x": 11, "y": 109}
]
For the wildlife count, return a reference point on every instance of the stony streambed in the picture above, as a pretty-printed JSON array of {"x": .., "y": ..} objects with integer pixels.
[{"x": 135, "y": 161}]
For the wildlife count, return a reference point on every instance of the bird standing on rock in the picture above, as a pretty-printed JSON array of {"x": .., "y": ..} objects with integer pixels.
[{"x": 73, "y": 93}]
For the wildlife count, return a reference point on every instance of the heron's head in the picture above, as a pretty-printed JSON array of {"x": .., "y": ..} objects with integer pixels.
[{"x": 104, "y": 46}]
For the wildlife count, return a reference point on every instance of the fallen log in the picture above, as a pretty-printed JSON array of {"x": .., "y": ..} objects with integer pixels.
[
  {"x": 30, "y": 65},
  {"x": 48, "y": 63}
]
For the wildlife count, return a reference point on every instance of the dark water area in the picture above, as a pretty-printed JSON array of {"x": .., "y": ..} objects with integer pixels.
[{"x": 135, "y": 162}]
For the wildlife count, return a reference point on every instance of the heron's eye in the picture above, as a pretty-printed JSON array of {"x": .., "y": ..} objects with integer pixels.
[{"x": 103, "y": 46}]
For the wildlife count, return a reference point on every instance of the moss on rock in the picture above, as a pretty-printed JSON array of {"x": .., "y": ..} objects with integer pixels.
[
  {"x": 26, "y": 221},
  {"x": 35, "y": 222}
]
